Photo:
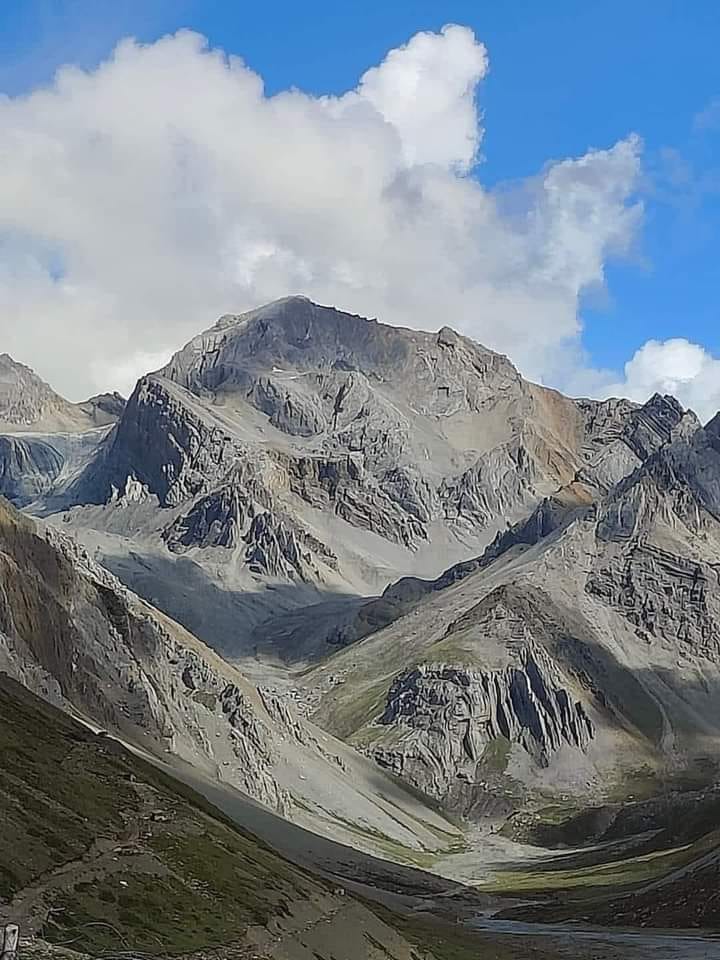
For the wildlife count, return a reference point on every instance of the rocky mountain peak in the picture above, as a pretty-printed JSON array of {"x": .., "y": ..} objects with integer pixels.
[
  {"x": 24, "y": 397},
  {"x": 295, "y": 336},
  {"x": 713, "y": 426}
]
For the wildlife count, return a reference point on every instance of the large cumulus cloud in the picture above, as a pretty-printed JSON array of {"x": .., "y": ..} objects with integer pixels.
[{"x": 142, "y": 199}]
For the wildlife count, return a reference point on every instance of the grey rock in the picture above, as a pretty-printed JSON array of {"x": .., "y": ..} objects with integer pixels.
[
  {"x": 615, "y": 597},
  {"x": 25, "y": 399},
  {"x": 29, "y": 468},
  {"x": 448, "y": 716}
]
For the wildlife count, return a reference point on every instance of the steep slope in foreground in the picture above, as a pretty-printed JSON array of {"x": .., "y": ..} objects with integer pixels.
[
  {"x": 100, "y": 851},
  {"x": 571, "y": 666},
  {"x": 297, "y": 453},
  {"x": 70, "y": 632}
]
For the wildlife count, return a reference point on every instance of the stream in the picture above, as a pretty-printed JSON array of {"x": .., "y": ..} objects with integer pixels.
[{"x": 658, "y": 946}]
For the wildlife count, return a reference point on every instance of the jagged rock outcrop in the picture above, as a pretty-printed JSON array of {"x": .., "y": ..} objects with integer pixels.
[
  {"x": 492, "y": 676},
  {"x": 447, "y": 716},
  {"x": 160, "y": 441},
  {"x": 216, "y": 520},
  {"x": 620, "y": 593},
  {"x": 272, "y": 548}
]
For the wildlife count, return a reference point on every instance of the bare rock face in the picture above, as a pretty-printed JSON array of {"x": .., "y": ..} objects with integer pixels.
[
  {"x": 448, "y": 716},
  {"x": 506, "y": 480},
  {"x": 71, "y": 633},
  {"x": 104, "y": 408},
  {"x": 273, "y": 548},
  {"x": 25, "y": 399},
  {"x": 343, "y": 486},
  {"x": 165, "y": 445},
  {"x": 28, "y": 468},
  {"x": 586, "y": 638},
  {"x": 620, "y": 436}
]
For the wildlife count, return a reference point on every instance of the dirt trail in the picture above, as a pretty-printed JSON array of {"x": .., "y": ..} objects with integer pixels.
[{"x": 106, "y": 855}]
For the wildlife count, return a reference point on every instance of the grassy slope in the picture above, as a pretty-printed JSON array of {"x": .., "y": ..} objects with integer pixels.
[
  {"x": 101, "y": 851},
  {"x": 658, "y": 864}
]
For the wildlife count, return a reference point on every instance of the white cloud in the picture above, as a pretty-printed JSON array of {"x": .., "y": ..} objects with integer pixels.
[
  {"x": 426, "y": 91},
  {"x": 141, "y": 200},
  {"x": 684, "y": 369}
]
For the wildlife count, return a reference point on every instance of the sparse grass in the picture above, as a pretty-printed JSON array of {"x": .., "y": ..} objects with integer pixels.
[
  {"x": 59, "y": 790},
  {"x": 348, "y": 709},
  {"x": 617, "y": 875},
  {"x": 496, "y": 756},
  {"x": 177, "y": 882},
  {"x": 208, "y": 887}
]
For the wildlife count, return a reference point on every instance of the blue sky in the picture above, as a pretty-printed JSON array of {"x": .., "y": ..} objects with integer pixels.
[{"x": 564, "y": 77}]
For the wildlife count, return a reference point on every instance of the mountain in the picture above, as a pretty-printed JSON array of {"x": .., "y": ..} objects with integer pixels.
[
  {"x": 71, "y": 633},
  {"x": 617, "y": 453},
  {"x": 580, "y": 660},
  {"x": 28, "y": 404},
  {"x": 289, "y": 461},
  {"x": 44, "y": 439},
  {"x": 26, "y": 400},
  {"x": 368, "y": 582},
  {"x": 298, "y": 456}
]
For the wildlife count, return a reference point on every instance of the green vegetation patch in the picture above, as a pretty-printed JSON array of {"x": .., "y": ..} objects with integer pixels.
[{"x": 59, "y": 791}]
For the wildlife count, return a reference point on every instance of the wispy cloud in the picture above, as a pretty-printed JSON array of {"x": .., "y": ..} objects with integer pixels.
[{"x": 709, "y": 117}]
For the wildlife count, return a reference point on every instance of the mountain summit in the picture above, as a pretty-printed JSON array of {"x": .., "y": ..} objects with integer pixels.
[
  {"x": 298, "y": 452},
  {"x": 25, "y": 399}
]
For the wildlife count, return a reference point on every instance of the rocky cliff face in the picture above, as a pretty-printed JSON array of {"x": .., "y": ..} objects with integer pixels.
[
  {"x": 585, "y": 638},
  {"x": 448, "y": 716},
  {"x": 70, "y": 632}
]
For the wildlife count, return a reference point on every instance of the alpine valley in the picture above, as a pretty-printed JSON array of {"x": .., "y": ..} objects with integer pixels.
[{"x": 358, "y": 614}]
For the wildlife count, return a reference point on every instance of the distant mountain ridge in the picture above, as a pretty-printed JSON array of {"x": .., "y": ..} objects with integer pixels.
[
  {"x": 301, "y": 445},
  {"x": 521, "y": 582},
  {"x": 29, "y": 404}
]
